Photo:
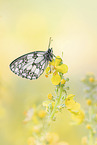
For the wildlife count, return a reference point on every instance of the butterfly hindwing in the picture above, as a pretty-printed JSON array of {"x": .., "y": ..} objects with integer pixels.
[{"x": 30, "y": 65}]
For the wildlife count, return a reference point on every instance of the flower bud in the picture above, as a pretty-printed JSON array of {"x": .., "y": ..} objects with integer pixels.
[
  {"x": 63, "y": 81},
  {"x": 50, "y": 96},
  {"x": 89, "y": 102},
  {"x": 91, "y": 79},
  {"x": 88, "y": 126}
]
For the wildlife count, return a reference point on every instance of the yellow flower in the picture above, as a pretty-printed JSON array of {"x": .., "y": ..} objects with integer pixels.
[
  {"x": 56, "y": 67},
  {"x": 74, "y": 108},
  {"x": 58, "y": 60},
  {"x": 47, "y": 70},
  {"x": 88, "y": 126},
  {"x": 52, "y": 63},
  {"x": 31, "y": 141},
  {"x": 84, "y": 140},
  {"x": 52, "y": 138},
  {"x": 91, "y": 79},
  {"x": 72, "y": 105},
  {"x": 63, "y": 81},
  {"x": 89, "y": 102},
  {"x": 78, "y": 117},
  {"x": 50, "y": 96},
  {"x": 46, "y": 76},
  {"x": 63, "y": 68},
  {"x": 56, "y": 79},
  {"x": 42, "y": 114}
]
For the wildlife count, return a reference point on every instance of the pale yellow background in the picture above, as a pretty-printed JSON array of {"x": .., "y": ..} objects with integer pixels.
[{"x": 25, "y": 26}]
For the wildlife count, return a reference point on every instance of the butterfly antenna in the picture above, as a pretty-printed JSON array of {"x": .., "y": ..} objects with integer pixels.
[{"x": 50, "y": 40}]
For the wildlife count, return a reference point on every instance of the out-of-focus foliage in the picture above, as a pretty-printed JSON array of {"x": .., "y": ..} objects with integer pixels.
[{"x": 90, "y": 90}]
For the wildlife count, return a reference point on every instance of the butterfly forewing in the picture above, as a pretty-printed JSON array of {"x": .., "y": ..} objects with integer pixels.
[{"x": 30, "y": 65}]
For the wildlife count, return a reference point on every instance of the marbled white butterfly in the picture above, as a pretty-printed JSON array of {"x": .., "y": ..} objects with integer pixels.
[{"x": 32, "y": 65}]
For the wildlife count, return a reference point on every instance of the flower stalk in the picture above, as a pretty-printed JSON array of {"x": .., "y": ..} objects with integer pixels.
[
  {"x": 91, "y": 135},
  {"x": 42, "y": 117},
  {"x": 56, "y": 104}
]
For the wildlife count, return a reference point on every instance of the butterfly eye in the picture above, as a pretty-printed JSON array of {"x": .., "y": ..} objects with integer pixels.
[{"x": 49, "y": 50}]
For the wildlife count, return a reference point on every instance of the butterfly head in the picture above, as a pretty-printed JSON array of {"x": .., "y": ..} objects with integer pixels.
[
  {"x": 49, "y": 54},
  {"x": 50, "y": 50}
]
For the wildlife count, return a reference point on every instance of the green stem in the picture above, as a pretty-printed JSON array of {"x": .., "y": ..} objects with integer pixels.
[
  {"x": 56, "y": 104},
  {"x": 91, "y": 135}
]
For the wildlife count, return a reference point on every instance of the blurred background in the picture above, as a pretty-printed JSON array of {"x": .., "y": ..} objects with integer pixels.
[{"x": 26, "y": 26}]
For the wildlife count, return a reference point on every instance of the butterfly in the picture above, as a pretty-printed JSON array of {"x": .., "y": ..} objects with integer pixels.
[{"x": 32, "y": 65}]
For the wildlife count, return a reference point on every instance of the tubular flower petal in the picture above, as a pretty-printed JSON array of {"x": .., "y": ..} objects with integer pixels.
[
  {"x": 42, "y": 113},
  {"x": 47, "y": 70},
  {"x": 46, "y": 76},
  {"x": 72, "y": 105},
  {"x": 78, "y": 117},
  {"x": 70, "y": 96},
  {"x": 63, "y": 68},
  {"x": 63, "y": 81},
  {"x": 50, "y": 96},
  {"x": 89, "y": 102},
  {"x": 57, "y": 60},
  {"x": 91, "y": 79},
  {"x": 52, "y": 62},
  {"x": 88, "y": 126},
  {"x": 56, "y": 78}
]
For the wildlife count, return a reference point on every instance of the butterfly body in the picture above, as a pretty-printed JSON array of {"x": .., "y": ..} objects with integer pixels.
[{"x": 32, "y": 65}]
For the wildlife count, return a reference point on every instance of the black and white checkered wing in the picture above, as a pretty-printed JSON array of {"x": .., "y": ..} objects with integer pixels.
[{"x": 30, "y": 65}]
